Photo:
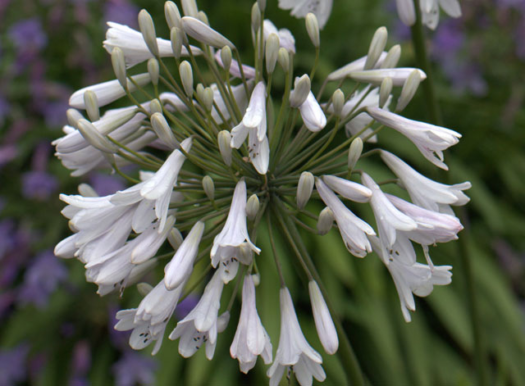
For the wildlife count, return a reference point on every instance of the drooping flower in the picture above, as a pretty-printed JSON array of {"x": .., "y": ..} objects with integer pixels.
[{"x": 300, "y": 8}]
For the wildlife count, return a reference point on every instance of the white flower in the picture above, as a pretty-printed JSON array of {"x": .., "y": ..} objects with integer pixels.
[
  {"x": 228, "y": 243},
  {"x": 300, "y": 8},
  {"x": 293, "y": 349},
  {"x": 432, "y": 227},
  {"x": 251, "y": 339},
  {"x": 348, "y": 189},
  {"x": 202, "y": 324},
  {"x": 356, "y": 65},
  {"x": 430, "y": 11},
  {"x": 312, "y": 114},
  {"x": 204, "y": 33},
  {"x": 286, "y": 39},
  {"x": 409, "y": 276},
  {"x": 388, "y": 218},
  {"x": 406, "y": 12},
  {"x": 376, "y": 77},
  {"x": 431, "y": 140},
  {"x": 181, "y": 265},
  {"x": 353, "y": 230},
  {"x": 323, "y": 320},
  {"x": 107, "y": 92},
  {"x": 423, "y": 191},
  {"x": 149, "y": 320},
  {"x": 132, "y": 44}
]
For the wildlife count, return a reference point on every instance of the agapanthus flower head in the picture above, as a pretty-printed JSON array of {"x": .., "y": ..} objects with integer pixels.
[{"x": 220, "y": 152}]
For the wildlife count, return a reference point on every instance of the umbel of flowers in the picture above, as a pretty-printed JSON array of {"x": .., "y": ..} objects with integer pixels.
[{"x": 221, "y": 154}]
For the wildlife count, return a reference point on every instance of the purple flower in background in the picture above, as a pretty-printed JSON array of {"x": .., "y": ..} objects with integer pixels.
[
  {"x": 28, "y": 35},
  {"x": 185, "y": 307},
  {"x": 121, "y": 11},
  {"x": 55, "y": 113},
  {"x": 4, "y": 109},
  {"x": 7, "y": 154},
  {"x": 13, "y": 365},
  {"x": 134, "y": 369},
  {"x": 41, "y": 279},
  {"x": 105, "y": 185},
  {"x": 449, "y": 39},
  {"x": 7, "y": 239},
  {"x": 81, "y": 364},
  {"x": 38, "y": 185}
]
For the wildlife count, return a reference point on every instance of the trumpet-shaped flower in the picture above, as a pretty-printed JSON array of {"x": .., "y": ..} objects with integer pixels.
[{"x": 300, "y": 8}]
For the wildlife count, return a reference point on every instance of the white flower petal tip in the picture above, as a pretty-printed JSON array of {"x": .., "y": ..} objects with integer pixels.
[
  {"x": 376, "y": 77},
  {"x": 323, "y": 320},
  {"x": 293, "y": 349},
  {"x": 300, "y": 8},
  {"x": 353, "y": 230},
  {"x": 251, "y": 339},
  {"x": 431, "y": 140},
  {"x": 204, "y": 33},
  {"x": 348, "y": 189},
  {"x": 312, "y": 114}
]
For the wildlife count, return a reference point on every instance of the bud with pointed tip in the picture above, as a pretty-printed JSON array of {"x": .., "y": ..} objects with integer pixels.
[
  {"x": 312, "y": 27},
  {"x": 209, "y": 187},
  {"x": 153, "y": 70},
  {"x": 284, "y": 59},
  {"x": 94, "y": 138},
  {"x": 175, "y": 238},
  {"x": 119, "y": 66},
  {"x": 224, "y": 139},
  {"x": 86, "y": 190},
  {"x": 204, "y": 33},
  {"x": 376, "y": 47},
  {"x": 176, "y": 37},
  {"x": 304, "y": 189},
  {"x": 91, "y": 102},
  {"x": 326, "y": 221},
  {"x": 323, "y": 320},
  {"x": 73, "y": 115},
  {"x": 272, "y": 52},
  {"x": 385, "y": 91},
  {"x": 226, "y": 57},
  {"x": 338, "y": 101},
  {"x": 163, "y": 130},
  {"x": 203, "y": 17},
  {"x": 301, "y": 90},
  {"x": 144, "y": 288},
  {"x": 147, "y": 28},
  {"x": 172, "y": 14},
  {"x": 155, "y": 106},
  {"x": 354, "y": 153},
  {"x": 252, "y": 207},
  {"x": 186, "y": 77},
  {"x": 256, "y": 18},
  {"x": 207, "y": 98},
  {"x": 392, "y": 58},
  {"x": 189, "y": 8},
  {"x": 409, "y": 89},
  {"x": 262, "y": 5}
]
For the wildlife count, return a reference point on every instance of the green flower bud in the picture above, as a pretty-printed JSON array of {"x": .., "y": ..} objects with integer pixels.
[
  {"x": 304, "y": 189},
  {"x": 186, "y": 77},
  {"x": 338, "y": 101},
  {"x": 301, "y": 90},
  {"x": 175, "y": 238},
  {"x": 409, "y": 89},
  {"x": 91, "y": 102},
  {"x": 326, "y": 221},
  {"x": 284, "y": 59},
  {"x": 226, "y": 57},
  {"x": 356, "y": 148},
  {"x": 144, "y": 288},
  {"x": 272, "y": 52},
  {"x": 312, "y": 27},
  {"x": 153, "y": 70},
  {"x": 147, "y": 28},
  {"x": 256, "y": 18},
  {"x": 376, "y": 47},
  {"x": 176, "y": 37},
  {"x": 155, "y": 106},
  {"x": 392, "y": 58},
  {"x": 224, "y": 139},
  {"x": 119, "y": 66},
  {"x": 209, "y": 187},
  {"x": 189, "y": 8},
  {"x": 172, "y": 14},
  {"x": 252, "y": 207},
  {"x": 163, "y": 130},
  {"x": 73, "y": 116},
  {"x": 94, "y": 138},
  {"x": 385, "y": 91}
]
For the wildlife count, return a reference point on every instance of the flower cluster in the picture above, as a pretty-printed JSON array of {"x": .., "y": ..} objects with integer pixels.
[{"x": 222, "y": 155}]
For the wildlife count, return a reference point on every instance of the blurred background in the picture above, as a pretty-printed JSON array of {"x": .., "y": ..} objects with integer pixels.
[{"x": 54, "y": 329}]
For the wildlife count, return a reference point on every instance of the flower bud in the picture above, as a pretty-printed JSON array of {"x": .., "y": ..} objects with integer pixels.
[
  {"x": 172, "y": 14},
  {"x": 119, "y": 66},
  {"x": 153, "y": 70},
  {"x": 326, "y": 221},
  {"x": 207, "y": 99},
  {"x": 203, "y": 17},
  {"x": 189, "y": 8},
  {"x": 91, "y": 102},
  {"x": 209, "y": 187},
  {"x": 376, "y": 47},
  {"x": 252, "y": 207},
  {"x": 323, "y": 320},
  {"x": 272, "y": 52},
  {"x": 86, "y": 190},
  {"x": 338, "y": 101},
  {"x": 176, "y": 37},
  {"x": 301, "y": 90},
  {"x": 385, "y": 91},
  {"x": 312, "y": 27},
  {"x": 256, "y": 18},
  {"x": 204, "y": 33},
  {"x": 356, "y": 148},
  {"x": 392, "y": 58},
  {"x": 186, "y": 77},
  {"x": 147, "y": 28},
  {"x": 262, "y": 5},
  {"x": 94, "y": 138},
  {"x": 73, "y": 116},
  {"x": 144, "y": 288},
  {"x": 284, "y": 59},
  {"x": 304, "y": 189},
  {"x": 256, "y": 279},
  {"x": 200, "y": 91},
  {"x": 175, "y": 238},
  {"x": 409, "y": 89},
  {"x": 155, "y": 106},
  {"x": 226, "y": 57},
  {"x": 224, "y": 139},
  {"x": 163, "y": 130}
]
